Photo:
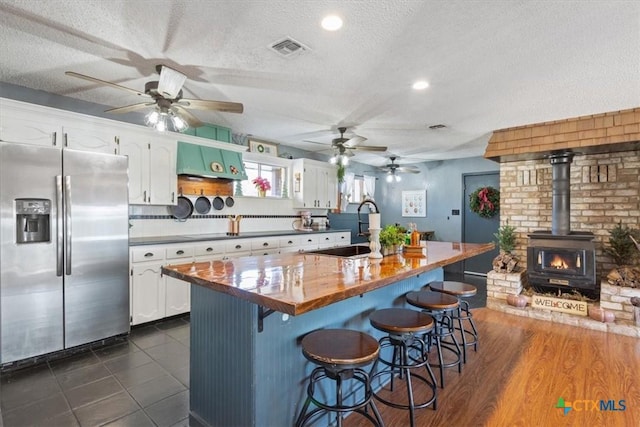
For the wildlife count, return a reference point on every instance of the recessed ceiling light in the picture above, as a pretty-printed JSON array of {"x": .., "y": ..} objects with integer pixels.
[
  {"x": 332, "y": 23},
  {"x": 420, "y": 85}
]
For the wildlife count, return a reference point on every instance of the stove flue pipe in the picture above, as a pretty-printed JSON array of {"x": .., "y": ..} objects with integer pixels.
[{"x": 561, "y": 193}]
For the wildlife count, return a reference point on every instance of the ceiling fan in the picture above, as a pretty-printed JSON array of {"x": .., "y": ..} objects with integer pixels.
[
  {"x": 166, "y": 95},
  {"x": 392, "y": 169},
  {"x": 343, "y": 147}
]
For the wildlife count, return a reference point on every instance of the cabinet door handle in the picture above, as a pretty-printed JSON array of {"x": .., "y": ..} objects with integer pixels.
[
  {"x": 290, "y": 242},
  {"x": 209, "y": 249},
  {"x": 53, "y": 138},
  {"x": 238, "y": 246},
  {"x": 144, "y": 196},
  {"x": 148, "y": 254},
  {"x": 173, "y": 196},
  {"x": 326, "y": 238},
  {"x": 309, "y": 240},
  {"x": 66, "y": 140},
  {"x": 265, "y": 244},
  {"x": 180, "y": 252}
]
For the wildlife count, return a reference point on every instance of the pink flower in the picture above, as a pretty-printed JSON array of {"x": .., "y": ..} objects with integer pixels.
[{"x": 262, "y": 184}]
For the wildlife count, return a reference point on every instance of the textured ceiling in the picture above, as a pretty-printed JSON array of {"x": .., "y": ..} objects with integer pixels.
[{"x": 490, "y": 64}]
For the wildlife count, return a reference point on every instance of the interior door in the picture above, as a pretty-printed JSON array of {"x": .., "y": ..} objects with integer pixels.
[{"x": 476, "y": 229}]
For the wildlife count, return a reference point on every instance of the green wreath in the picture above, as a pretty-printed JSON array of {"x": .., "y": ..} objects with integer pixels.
[{"x": 485, "y": 201}]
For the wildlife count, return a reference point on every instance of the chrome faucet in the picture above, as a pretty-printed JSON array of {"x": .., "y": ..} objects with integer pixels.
[{"x": 360, "y": 222}]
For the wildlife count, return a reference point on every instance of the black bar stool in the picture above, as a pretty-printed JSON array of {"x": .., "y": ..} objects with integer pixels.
[
  {"x": 341, "y": 354},
  {"x": 404, "y": 327},
  {"x": 461, "y": 290},
  {"x": 441, "y": 307}
]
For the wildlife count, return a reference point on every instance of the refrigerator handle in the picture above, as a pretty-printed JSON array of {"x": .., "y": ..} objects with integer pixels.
[
  {"x": 67, "y": 224},
  {"x": 59, "y": 227}
]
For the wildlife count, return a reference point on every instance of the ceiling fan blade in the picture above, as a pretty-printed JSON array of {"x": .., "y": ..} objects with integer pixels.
[
  {"x": 407, "y": 170},
  {"x": 368, "y": 148},
  {"x": 129, "y": 108},
  {"x": 171, "y": 82},
  {"x": 201, "y": 104},
  {"x": 316, "y": 142},
  {"x": 105, "y": 83},
  {"x": 355, "y": 140},
  {"x": 192, "y": 120}
]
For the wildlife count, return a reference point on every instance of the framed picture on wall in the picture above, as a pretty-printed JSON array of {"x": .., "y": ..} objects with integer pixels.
[
  {"x": 414, "y": 203},
  {"x": 263, "y": 147}
]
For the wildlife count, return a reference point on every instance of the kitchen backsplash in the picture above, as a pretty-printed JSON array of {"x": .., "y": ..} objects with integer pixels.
[{"x": 259, "y": 214}]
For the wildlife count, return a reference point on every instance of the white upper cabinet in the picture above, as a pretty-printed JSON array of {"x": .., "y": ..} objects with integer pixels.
[
  {"x": 152, "y": 167},
  {"x": 30, "y": 124},
  {"x": 315, "y": 184},
  {"x": 34, "y": 124},
  {"x": 89, "y": 134}
]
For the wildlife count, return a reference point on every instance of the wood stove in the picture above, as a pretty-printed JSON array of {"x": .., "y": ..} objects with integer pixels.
[
  {"x": 562, "y": 262},
  {"x": 561, "y": 259}
]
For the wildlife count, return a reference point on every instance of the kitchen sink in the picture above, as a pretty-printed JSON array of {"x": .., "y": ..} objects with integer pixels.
[{"x": 343, "y": 251}]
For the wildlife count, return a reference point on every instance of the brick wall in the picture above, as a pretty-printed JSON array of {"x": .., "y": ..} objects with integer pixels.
[
  {"x": 605, "y": 189},
  {"x": 578, "y": 133}
]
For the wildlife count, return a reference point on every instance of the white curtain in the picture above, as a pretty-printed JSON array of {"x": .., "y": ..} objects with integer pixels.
[
  {"x": 369, "y": 186},
  {"x": 347, "y": 190}
]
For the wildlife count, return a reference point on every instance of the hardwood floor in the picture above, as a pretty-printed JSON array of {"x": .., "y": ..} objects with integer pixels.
[{"x": 522, "y": 367}]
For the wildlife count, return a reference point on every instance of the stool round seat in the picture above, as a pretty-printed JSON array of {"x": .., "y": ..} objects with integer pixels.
[
  {"x": 461, "y": 290},
  {"x": 341, "y": 355},
  {"x": 442, "y": 307},
  {"x": 341, "y": 348},
  {"x": 403, "y": 352},
  {"x": 430, "y": 300},
  {"x": 457, "y": 289},
  {"x": 401, "y": 321}
]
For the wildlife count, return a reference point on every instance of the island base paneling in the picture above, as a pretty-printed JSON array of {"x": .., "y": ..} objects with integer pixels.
[{"x": 242, "y": 377}]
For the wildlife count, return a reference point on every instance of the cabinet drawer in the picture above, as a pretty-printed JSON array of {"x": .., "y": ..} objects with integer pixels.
[
  {"x": 342, "y": 239},
  {"x": 264, "y": 244},
  {"x": 258, "y": 252},
  {"x": 209, "y": 249},
  {"x": 146, "y": 254},
  {"x": 289, "y": 242},
  {"x": 237, "y": 246},
  {"x": 179, "y": 252},
  {"x": 324, "y": 239},
  {"x": 309, "y": 240}
]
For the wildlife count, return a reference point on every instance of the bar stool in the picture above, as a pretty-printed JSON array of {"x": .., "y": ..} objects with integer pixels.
[
  {"x": 461, "y": 290},
  {"x": 341, "y": 354},
  {"x": 441, "y": 307},
  {"x": 404, "y": 327}
]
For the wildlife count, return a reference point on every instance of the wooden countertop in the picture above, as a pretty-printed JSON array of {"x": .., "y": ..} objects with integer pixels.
[{"x": 296, "y": 283}]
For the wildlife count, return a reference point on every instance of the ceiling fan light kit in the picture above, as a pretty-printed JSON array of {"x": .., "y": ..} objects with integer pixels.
[{"x": 169, "y": 107}]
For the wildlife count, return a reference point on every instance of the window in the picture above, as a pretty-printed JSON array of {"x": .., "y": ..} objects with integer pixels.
[
  {"x": 276, "y": 175},
  {"x": 357, "y": 191}
]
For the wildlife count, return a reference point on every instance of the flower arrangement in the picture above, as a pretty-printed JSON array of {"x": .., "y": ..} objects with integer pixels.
[
  {"x": 485, "y": 201},
  {"x": 262, "y": 184}
]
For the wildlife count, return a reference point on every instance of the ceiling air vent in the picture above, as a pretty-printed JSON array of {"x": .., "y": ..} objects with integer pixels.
[{"x": 288, "y": 47}]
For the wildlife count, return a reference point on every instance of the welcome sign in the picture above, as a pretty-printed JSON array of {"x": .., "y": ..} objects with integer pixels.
[{"x": 558, "y": 304}]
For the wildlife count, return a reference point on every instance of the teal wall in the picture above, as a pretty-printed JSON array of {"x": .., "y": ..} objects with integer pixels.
[{"x": 442, "y": 181}]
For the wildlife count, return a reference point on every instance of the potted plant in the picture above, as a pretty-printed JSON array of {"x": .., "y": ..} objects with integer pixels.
[
  {"x": 506, "y": 239},
  {"x": 391, "y": 239},
  {"x": 624, "y": 252}
]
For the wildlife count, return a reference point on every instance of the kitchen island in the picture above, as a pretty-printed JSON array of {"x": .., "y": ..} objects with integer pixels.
[{"x": 249, "y": 314}]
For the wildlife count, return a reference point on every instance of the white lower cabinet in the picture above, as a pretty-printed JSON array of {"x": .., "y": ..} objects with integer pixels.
[
  {"x": 148, "y": 294},
  {"x": 155, "y": 296},
  {"x": 178, "y": 296}
]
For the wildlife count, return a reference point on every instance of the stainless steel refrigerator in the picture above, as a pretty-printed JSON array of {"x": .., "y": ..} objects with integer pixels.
[{"x": 64, "y": 249}]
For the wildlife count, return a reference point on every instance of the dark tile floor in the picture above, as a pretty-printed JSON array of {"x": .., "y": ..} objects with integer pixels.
[{"x": 142, "y": 381}]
